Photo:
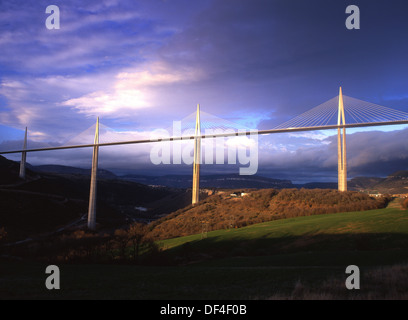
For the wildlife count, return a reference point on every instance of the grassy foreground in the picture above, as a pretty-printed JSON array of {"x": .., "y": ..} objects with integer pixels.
[
  {"x": 387, "y": 224},
  {"x": 297, "y": 258}
]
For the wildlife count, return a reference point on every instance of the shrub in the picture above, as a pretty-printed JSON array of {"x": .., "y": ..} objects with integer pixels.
[{"x": 405, "y": 203}]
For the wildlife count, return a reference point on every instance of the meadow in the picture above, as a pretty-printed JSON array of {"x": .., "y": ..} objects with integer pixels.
[{"x": 297, "y": 258}]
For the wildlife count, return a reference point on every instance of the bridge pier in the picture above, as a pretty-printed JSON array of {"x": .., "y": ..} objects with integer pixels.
[
  {"x": 341, "y": 146},
  {"x": 197, "y": 159},
  {"x": 23, "y": 158},
  {"x": 94, "y": 174}
]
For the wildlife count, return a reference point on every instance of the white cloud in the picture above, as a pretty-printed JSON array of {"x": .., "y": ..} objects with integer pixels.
[
  {"x": 133, "y": 90},
  {"x": 313, "y": 135},
  {"x": 105, "y": 103}
]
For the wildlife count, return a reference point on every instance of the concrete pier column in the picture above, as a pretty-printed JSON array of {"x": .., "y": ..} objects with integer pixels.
[
  {"x": 23, "y": 158},
  {"x": 341, "y": 146},
  {"x": 197, "y": 159},
  {"x": 94, "y": 174}
]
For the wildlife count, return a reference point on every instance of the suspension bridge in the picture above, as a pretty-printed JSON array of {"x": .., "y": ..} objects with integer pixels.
[{"x": 340, "y": 113}]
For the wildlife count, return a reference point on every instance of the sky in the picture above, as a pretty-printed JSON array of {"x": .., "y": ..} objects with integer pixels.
[{"x": 141, "y": 65}]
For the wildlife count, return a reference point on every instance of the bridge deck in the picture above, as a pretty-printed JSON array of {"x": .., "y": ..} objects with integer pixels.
[{"x": 254, "y": 132}]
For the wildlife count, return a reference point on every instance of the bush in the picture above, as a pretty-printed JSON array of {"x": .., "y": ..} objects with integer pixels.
[{"x": 405, "y": 203}]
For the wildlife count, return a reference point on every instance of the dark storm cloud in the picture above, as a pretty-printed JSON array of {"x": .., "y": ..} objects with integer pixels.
[
  {"x": 274, "y": 58},
  {"x": 372, "y": 153},
  {"x": 285, "y": 57}
]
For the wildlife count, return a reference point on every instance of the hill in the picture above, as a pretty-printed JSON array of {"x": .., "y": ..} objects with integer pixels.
[
  {"x": 395, "y": 183},
  {"x": 230, "y": 181},
  {"x": 318, "y": 185},
  {"x": 225, "y": 210},
  {"x": 364, "y": 183},
  {"x": 9, "y": 172},
  {"x": 378, "y": 230},
  {"x": 57, "y": 169},
  {"x": 53, "y": 196},
  {"x": 399, "y": 174},
  {"x": 47, "y": 201}
]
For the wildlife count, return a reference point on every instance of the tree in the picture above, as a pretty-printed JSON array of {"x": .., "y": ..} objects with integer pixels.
[
  {"x": 122, "y": 239},
  {"x": 136, "y": 234}
]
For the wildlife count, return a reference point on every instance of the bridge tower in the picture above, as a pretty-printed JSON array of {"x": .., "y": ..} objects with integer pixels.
[
  {"x": 94, "y": 174},
  {"x": 23, "y": 158},
  {"x": 197, "y": 159},
  {"x": 341, "y": 146}
]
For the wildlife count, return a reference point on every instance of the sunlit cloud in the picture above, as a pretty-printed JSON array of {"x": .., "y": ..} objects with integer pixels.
[
  {"x": 133, "y": 90},
  {"x": 312, "y": 135},
  {"x": 103, "y": 103}
]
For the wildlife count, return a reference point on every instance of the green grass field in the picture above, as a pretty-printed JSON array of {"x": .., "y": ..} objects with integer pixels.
[
  {"x": 381, "y": 221},
  {"x": 373, "y": 231},
  {"x": 276, "y": 259}
]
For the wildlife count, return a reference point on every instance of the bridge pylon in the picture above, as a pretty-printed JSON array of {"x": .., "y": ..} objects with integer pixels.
[
  {"x": 197, "y": 159},
  {"x": 23, "y": 158},
  {"x": 94, "y": 174},
  {"x": 341, "y": 146}
]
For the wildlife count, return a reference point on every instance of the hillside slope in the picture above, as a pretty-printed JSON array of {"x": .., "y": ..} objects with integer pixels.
[
  {"x": 225, "y": 210},
  {"x": 212, "y": 181},
  {"x": 377, "y": 230},
  {"x": 45, "y": 202},
  {"x": 395, "y": 183}
]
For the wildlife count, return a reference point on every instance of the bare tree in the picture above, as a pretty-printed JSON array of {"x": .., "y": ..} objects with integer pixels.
[{"x": 136, "y": 233}]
